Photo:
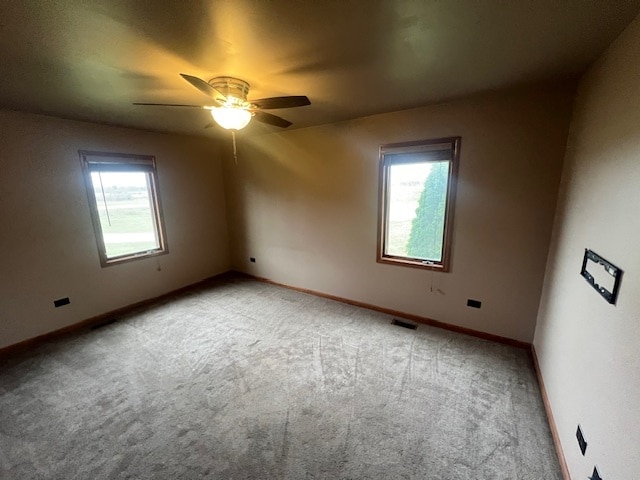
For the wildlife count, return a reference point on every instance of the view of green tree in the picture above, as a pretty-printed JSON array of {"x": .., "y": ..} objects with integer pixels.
[{"x": 427, "y": 229}]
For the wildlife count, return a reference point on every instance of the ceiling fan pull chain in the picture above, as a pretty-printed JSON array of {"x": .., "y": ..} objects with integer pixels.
[{"x": 235, "y": 151}]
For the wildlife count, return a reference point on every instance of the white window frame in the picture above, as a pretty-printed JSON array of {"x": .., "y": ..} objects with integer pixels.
[{"x": 123, "y": 162}]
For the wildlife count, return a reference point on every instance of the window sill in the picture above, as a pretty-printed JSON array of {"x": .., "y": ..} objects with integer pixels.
[
  {"x": 134, "y": 256},
  {"x": 413, "y": 263}
]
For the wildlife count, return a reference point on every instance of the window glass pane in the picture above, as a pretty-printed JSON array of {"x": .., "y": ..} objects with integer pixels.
[
  {"x": 417, "y": 196},
  {"x": 126, "y": 212}
]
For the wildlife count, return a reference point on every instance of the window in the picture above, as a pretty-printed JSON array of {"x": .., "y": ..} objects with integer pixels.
[
  {"x": 124, "y": 204},
  {"x": 417, "y": 193}
]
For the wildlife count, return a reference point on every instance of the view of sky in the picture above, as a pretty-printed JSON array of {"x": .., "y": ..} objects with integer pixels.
[{"x": 406, "y": 183}]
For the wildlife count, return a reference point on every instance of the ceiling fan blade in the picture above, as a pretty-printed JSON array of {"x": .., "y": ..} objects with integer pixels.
[
  {"x": 281, "y": 102},
  {"x": 204, "y": 87},
  {"x": 167, "y": 105},
  {"x": 270, "y": 119}
]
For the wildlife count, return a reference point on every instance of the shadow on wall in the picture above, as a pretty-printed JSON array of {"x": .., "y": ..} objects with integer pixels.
[{"x": 316, "y": 175}]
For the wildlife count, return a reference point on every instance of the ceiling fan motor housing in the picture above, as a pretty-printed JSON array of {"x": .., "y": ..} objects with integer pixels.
[{"x": 234, "y": 89}]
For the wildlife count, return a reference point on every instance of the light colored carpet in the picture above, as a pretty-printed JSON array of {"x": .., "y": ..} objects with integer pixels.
[{"x": 244, "y": 380}]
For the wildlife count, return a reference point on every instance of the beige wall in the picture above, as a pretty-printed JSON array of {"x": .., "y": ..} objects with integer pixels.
[
  {"x": 304, "y": 203},
  {"x": 589, "y": 351},
  {"x": 47, "y": 244}
]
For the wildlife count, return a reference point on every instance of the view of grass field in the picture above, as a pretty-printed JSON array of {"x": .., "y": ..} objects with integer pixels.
[
  {"x": 128, "y": 228},
  {"x": 125, "y": 213}
]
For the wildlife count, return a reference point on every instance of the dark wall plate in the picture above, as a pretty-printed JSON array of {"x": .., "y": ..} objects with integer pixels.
[{"x": 602, "y": 275}]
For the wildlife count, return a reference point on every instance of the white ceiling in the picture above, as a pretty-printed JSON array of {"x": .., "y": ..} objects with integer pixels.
[{"x": 90, "y": 59}]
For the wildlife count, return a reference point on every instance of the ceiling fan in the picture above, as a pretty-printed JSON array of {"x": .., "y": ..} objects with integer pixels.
[{"x": 231, "y": 109}]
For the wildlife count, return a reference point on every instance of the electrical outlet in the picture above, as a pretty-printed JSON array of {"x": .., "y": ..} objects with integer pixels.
[
  {"x": 595, "y": 475},
  {"x": 474, "y": 303},
  {"x": 581, "y": 441},
  {"x": 61, "y": 302},
  {"x": 252, "y": 260}
]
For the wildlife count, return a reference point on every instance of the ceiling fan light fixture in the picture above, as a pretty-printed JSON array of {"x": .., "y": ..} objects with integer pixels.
[{"x": 231, "y": 118}]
